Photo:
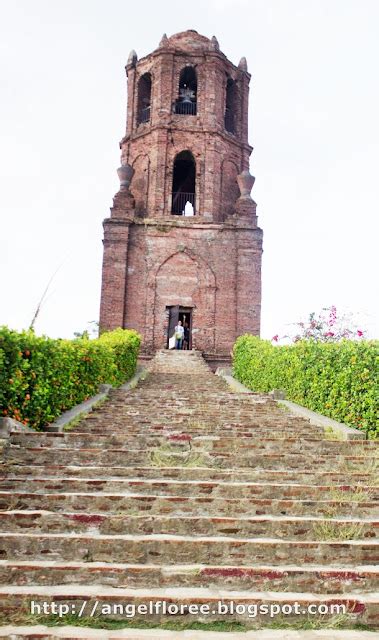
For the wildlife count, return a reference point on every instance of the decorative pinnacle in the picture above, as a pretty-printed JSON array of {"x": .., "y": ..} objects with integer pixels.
[
  {"x": 164, "y": 40},
  {"x": 132, "y": 57},
  {"x": 242, "y": 64},
  {"x": 215, "y": 43}
]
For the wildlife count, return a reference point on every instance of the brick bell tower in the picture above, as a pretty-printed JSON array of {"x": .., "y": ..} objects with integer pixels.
[{"x": 182, "y": 241}]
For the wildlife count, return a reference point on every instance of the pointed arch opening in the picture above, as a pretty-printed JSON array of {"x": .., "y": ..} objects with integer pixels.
[
  {"x": 184, "y": 184},
  {"x": 186, "y": 103},
  {"x": 144, "y": 99},
  {"x": 230, "y": 106}
]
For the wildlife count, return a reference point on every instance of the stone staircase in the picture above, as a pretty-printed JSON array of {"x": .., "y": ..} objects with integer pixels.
[{"x": 183, "y": 491}]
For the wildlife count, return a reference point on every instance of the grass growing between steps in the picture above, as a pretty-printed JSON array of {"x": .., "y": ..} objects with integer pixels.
[
  {"x": 333, "y": 434},
  {"x": 337, "y": 531},
  {"x": 359, "y": 494},
  {"x": 342, "y": 621},
  {"x": 339, "y": 497},
  {"x": 369, "y": 466}
]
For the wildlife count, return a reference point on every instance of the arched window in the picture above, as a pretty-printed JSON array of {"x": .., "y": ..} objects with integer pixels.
[
  {"x": 144, "y": 98},
  {"x": 230, "y": 106},
  {"x": 186, "y": 104},
  {"x": 184, "y": 184}
]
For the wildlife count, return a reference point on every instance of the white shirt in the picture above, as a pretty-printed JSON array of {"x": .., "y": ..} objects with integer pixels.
[{"x": 179, "y": 329}]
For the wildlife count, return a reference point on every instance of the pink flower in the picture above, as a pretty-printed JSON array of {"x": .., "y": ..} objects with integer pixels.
[
  {"x": 359, "y": 333},
  {"x": 329, "y": 334},
  {"x": 275, "y": 338}
]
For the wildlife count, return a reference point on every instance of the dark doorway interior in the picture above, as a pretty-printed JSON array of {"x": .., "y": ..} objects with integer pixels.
[
  {"x": 230, "y": 106},
  {"x": 174, "y": 315},
  {"x": 144, "y": 98}
]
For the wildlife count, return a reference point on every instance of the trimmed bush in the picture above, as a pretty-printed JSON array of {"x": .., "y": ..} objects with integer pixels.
[
  {"x": 41, "y": 377},
  {"x": 339, "y": 380}
]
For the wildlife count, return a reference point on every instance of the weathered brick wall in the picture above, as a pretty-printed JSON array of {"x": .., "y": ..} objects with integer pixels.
[{"x": 210, "y": 262}]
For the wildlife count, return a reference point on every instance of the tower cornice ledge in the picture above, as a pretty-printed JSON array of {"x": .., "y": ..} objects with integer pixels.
[
  {"x": 175, "y": 126},
  {"x": 189, "y": 223}
]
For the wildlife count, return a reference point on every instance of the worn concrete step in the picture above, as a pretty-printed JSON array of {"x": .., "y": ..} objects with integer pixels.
[
  {"x": 184, "y": 441},
  {"x": 315, "y": 579},
  {"x": 174, "y": 549},
  {"x": 225, "y": 460},
  {"x": 215, "y": 416},
  {"x": 159, "y": 486},
  {"x": 161, "y": 430},
  {"x": 284, "y": 528},
  {"x": 79, "y": 633},
  {"x": 361, "y": 608},
  {"x": 101, "y": 474},
  {"x": 182, "y": 505}
]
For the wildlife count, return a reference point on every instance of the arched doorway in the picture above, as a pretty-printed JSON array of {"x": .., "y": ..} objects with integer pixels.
[
  {"x": 184, "y": 184},
  {"x": 184, "y": 289}
]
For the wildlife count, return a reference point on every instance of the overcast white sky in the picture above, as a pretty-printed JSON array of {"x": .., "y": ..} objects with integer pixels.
[{"x": 314, "y": 114}]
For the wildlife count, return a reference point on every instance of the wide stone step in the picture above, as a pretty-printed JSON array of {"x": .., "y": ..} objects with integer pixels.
[
  {"x": 295, "y": 528},
  {"x": 159, "y": 486},
  {"x": 162, "y": 430},
  {"x": 174, "y": 549},
  {"x": 361, "y": 608},
  {"x": 79, "y": 633},
  {"x": 184, "y": 441},
  {"x": 317, "y": 578},
  {"x": 183, "y": 505},
  {"x": 98, "y": 473},
  {"x": 225, "y": 460}
]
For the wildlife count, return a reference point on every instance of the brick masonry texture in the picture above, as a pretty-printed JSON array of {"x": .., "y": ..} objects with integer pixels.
[{"x": 210, "y": 262}]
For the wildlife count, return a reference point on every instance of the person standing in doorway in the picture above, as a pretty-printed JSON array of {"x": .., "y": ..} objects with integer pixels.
[
  {"x": 186, "y": 336},
  {"x": 179, "y": 335}
]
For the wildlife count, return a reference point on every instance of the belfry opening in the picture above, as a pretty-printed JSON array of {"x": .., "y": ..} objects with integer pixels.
[
  {"x": 186, "y": 103},
  {"x": 184, "y": 184}
]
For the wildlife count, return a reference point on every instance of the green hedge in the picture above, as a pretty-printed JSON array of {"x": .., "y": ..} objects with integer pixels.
[
  {"x": 41, "y": 377},
  {"x": 339, "y": 380}
]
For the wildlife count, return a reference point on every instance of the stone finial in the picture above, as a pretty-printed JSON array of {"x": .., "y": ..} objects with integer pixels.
[
  {"x": 164, "y": 40},
  {"x": 123, "y": 201},
  {"x": 245, "y": 182},
  {"x": 125, "y": 174},
  {"x": 215, "y": 43},
  {"x": 246, "y": 208},
  {"x": 132, "y": 59},
  {"x": 242, "y": 64}
]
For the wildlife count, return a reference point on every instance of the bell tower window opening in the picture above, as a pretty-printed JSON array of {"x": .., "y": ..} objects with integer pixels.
[
  {"x": 186, "y": 104},
  {"x": 184, "y": 185},
  {"x": 144, "y": 99},
  {"x": 230, "y": 106}
]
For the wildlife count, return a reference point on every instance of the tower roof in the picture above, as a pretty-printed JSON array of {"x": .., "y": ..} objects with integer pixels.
[{"x": 190, "y": 39}]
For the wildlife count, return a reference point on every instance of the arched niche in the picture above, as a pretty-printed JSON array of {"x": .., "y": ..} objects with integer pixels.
[
  {"x": 185, "y": 279},
  {"x": 229, "y": 188},
  {"x": 139, "y": 185}
]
